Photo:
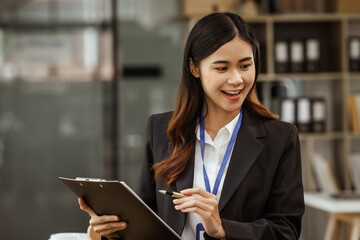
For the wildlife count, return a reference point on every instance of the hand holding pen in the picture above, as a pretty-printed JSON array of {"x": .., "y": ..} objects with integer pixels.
[
  {"x": 173, "y": 194},
  {"x": 205, "y": 205}
]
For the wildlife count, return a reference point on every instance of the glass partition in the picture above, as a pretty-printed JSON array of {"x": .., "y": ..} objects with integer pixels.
[{"x": 55, "y": 102}]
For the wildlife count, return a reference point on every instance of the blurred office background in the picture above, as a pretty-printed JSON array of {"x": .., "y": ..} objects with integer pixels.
[{"x": 78, "y": 79}]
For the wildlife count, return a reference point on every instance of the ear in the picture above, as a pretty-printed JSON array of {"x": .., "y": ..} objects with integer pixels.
[{"x": 194, "y": 69}]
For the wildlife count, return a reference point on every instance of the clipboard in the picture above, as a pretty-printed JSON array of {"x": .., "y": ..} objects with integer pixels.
[{"x": 116, "y": 198}]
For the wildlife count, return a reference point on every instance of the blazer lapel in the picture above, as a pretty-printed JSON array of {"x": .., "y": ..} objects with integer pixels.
[
  {"x": 184, "y": 181},
  {"x": 246, "y": 150}
]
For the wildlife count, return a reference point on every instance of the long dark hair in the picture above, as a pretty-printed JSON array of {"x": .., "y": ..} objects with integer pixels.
[{"x": 209, "y": 34}]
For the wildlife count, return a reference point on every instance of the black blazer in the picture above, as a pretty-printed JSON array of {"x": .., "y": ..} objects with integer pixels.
[{"x": 262, "y": 196}]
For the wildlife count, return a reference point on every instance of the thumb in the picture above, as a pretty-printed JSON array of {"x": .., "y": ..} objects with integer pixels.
[{"x": 86, "y": 208}]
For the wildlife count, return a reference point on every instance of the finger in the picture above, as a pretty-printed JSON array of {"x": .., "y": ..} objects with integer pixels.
[
  {"x": 86, "y": 208},
  {"x": 100, "y": 220},
  {"x": 210, "y": 200},
  {"x": 110, "y": 228},
  {"x": 203, "y": 214},
  {"x": 199, "y": 191},
  {"x": 209, "y": 205}
]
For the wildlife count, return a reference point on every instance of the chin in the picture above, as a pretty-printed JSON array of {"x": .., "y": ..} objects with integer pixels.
[
  {"x": 234, "y": 108},
  {"x": 231, "y": 110}
]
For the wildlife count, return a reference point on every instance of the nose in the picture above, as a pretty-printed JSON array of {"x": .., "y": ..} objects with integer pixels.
[{"x": 235, "y": 78}]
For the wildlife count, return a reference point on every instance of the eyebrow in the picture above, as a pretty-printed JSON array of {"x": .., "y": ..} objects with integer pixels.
[{"x": 225, "y": 62}]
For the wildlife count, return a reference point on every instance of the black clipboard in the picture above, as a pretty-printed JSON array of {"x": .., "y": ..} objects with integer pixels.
[{"x": 116, "y": 198}]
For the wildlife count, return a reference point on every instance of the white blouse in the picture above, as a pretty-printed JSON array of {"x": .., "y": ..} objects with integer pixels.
[{"x": 213, "y": 156}]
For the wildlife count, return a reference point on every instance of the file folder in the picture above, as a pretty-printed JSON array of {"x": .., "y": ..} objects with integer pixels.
[
  {"x": 303, "y": 115},
  {"x": 354, "y": 54},
  {"x": 312, "y": 55},
  {"x": 281, "y": 57},
  {"x": 318, "y": 113},
  {"x": 297, "y": 56}
]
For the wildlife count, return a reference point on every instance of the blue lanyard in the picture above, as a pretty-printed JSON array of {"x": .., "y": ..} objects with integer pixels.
[{"x": 226, "y": 156}]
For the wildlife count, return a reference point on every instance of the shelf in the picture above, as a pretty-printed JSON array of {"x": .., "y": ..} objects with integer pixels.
[
  {"x": 355, "y": 135},
  {"x": 301, "y": 17},
  {"x": 354, "y": 76},
  {"x": 329, "y": 204},
  {"x": 307, "y": 18},
  {"x": 323, "y": 136},
  {"x": 298, "y": 17},
  {"x": 53, "y": 24},
  {"x": 321, "y": 76},
  {"x": 46, "y": 73}
]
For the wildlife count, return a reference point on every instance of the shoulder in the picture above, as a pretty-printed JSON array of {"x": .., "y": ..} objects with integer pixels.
[
  {"x": 269, "y": 124},
  {"x": 277, "y": 125},
  {"x": 275, "y": 135},
  {"x": 157, "y": 137},
  {"x": 280, "y": 133},
  {"x": 157, "y": 125},
  {"x": 273, "y": 127},
  {"x": 161, "y": 116},
  {"x": 159, "y": 120}
]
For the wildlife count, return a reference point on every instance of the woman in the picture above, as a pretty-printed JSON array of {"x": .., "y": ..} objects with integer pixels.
[{"x": 239, "y": 165}]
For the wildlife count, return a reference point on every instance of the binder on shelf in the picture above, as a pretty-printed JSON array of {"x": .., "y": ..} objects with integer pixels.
[
  {"x": 308, "y": 114},
  {"x": 288, "y": 110},
  {"x": 354, "y": 54},
  {"x": 324, "y": 174},
  {"x": 318, "y": 115},
  {"x": 303, "y": 114},
  {"x": 281, "y": 57},
  {"x": 116, "y": 198},
  {"x": 355, "y": 170},
  {"x": 312, "y": 55},
  {"x": 297, "y": 56},
  {"x": 354, "y": 112}
]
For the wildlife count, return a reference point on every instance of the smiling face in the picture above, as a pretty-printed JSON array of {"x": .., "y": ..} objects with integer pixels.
[{"x": 227, "y": 77}]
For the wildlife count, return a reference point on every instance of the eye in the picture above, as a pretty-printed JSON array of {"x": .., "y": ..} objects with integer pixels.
[
  {"x": 245, "y": 66},
  {"x": 221, "y": 69}
]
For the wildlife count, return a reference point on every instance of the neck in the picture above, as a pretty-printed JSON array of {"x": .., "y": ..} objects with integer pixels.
[{"x": 215, "y": 120}]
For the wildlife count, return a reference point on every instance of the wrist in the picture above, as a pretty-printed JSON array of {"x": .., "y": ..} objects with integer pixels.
[
  {"x": 92, "y": 234},
  {"x": 208, "y": 237},
  {"x": 219, "y": 236},
  {"x": 221, "y": 233}
]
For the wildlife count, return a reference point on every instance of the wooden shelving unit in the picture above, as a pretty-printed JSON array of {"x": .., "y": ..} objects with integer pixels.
[
  {"x": 333, "y": 30},
  {"x": 333, "y": 79}
]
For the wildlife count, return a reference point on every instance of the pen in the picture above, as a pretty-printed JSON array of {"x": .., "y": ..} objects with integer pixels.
[{"x": 173, "y": 194}]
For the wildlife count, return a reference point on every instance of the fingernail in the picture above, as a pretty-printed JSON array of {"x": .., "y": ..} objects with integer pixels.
[
  {"x": 177, "y": 207},
  {"x": 123, "y": 224},
  {"x": 116, "y": 218},
  {"x": 175, "y": 201}
]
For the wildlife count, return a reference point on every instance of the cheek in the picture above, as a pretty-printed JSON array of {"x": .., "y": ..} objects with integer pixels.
[
  {"x": 210, "y": 80},
  {"x": 250, "y": 77}
]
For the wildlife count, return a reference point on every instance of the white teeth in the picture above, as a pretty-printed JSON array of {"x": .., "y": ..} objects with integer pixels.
[{"x": 232, "y": 92}]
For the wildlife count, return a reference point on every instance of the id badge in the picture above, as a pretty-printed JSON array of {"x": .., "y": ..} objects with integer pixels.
[{"x": 200, "y": 230}]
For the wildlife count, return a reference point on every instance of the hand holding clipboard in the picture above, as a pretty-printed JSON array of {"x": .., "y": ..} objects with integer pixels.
[
  {"x": 106, "y": 225},
  {"x": 115, "y": 198}
]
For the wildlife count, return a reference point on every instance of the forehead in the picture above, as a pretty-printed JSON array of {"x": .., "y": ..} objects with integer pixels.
[{"x": 233, "y": 50}]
